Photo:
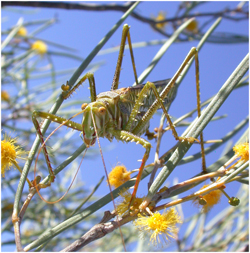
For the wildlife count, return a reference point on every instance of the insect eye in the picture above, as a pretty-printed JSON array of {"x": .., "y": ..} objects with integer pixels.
[
  {"x": 102, "y": 110},
  {"x": 84, "y": 105}
]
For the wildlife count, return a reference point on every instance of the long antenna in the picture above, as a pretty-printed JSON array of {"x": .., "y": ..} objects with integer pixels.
[{"x": 105, "y": 169}]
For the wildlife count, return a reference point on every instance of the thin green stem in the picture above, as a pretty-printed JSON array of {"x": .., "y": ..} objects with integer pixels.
[{"x": 20, "y": 170}]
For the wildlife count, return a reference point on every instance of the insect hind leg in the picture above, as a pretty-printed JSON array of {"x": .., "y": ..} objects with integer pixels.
[
  {"x": 138, "y": 103},
  {"x": 125, "y": 34},
  {"x": 158, "y": 102}
]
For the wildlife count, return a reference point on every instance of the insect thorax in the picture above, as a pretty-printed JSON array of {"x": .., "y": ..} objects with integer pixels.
[{"x": 119, "y": 108}]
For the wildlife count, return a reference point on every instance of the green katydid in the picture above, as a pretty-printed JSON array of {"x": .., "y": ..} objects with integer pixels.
[{"x": 122, "y": 113}]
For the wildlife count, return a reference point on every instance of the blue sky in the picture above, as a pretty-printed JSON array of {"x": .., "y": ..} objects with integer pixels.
[{"x": 82, "y": 30}]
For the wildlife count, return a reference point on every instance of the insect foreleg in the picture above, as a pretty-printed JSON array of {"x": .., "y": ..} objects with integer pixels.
[
  {"x": 57, "y": 119},
  {"x": 129, "y": 137},
  {"x": 38, "y": 130},
  {"x": 91, "y": 79},
  {"x": 54, "y": 118}
]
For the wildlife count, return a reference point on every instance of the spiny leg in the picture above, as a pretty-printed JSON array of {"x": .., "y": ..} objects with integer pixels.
[
  {"x": 90, "y": 77},
  {"x": 156, "y": 104},
  {"x": 54, "y": 118},
  {"x": 138, "y": 103},
  {"x": 198, "y": 99},
  {"x": 61, "y": 120},
  {"x": 127, "y": 136},
  {"x": 125, "y": 34},
  {"x": 38, "y": 130},
  {"x": 132, "y": 118},
  {"x": 159, "y": 102}
]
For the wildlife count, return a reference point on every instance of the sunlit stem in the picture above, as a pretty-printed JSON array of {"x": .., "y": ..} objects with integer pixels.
[{"x": 19, "y": 169}]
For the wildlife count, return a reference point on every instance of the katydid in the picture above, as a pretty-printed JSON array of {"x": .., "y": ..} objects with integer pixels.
[{"x": 122, "y": 113}]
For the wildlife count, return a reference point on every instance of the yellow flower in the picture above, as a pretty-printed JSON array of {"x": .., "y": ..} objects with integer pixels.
[
  {"x": 10, "y": 151},
  {"x": 40, "y": 47},
  {"x": 193, "y": 27},
  {"x": 122, "y": 205},
  {"x": 119, "y": 175},
  {"x": 157, "y": 225},
  {"x": 22, "y": 31},
  {"x": 161, "y": 16},
  {"x": 242, "y": 150},
  {"x": 5, "y": 96},
  {"x": 211, "y": 199}
]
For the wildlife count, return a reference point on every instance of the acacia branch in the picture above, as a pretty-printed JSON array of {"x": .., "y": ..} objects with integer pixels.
[
  {"x": 227, "y": 13},
  {"x": 231, "y": 14},
  {"x": 96, "y": 232}
]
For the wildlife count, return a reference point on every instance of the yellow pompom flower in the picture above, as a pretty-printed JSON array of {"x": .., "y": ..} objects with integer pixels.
[
  {"x": 22, "y": 31},
  {"x": 40, "y": 47},
  {"x": 159, "y": 225},
  {"x": 161, "y": 16},
  {"x": 211, "y": 199},
  {"x": 119, "y": 175},
  {"x": 193, "y": 27},
  {"x": 242, "y": 151},
  {"x": 5, "y": 96},
  {"x": 10, "y": 151},
  {"x": 122, "y": 206}
]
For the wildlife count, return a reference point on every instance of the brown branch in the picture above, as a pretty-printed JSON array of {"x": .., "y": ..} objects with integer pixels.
[
  {"x": 69, "y": 5},
  {"x": 102, "y": 229},
  {"x": 124, "y": 8},
  {"x": 17, "y": 236},
  {"x": 227, "y": 13},
  {"x": 17, "y": 220},
  {"x": 97, "y": 232}
]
